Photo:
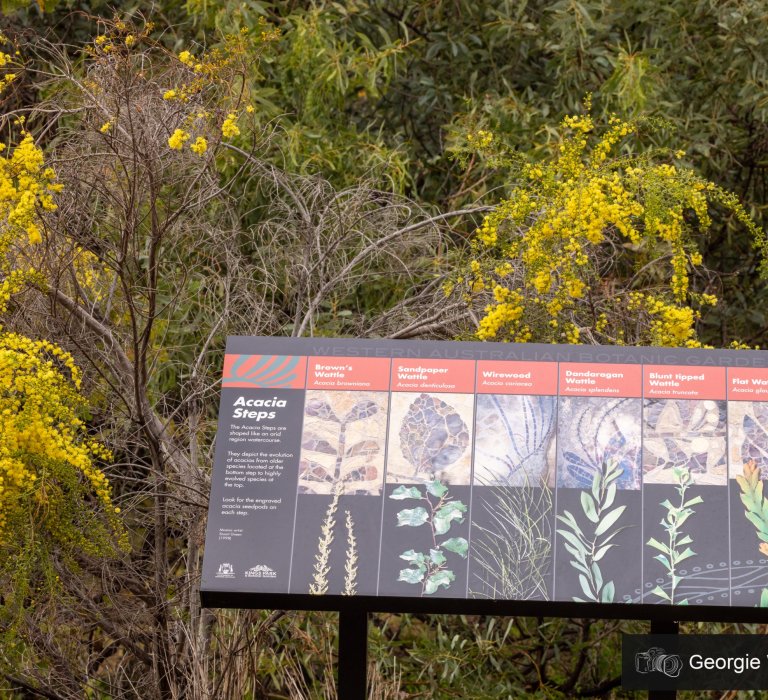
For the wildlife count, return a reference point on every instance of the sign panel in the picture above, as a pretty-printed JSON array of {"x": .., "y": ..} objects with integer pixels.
[{"x": 560, "y": 480}]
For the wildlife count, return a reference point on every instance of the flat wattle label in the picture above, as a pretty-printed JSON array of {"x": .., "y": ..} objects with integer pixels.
[
  {"x": 747, "y": 384},
  {"x": 683, "y": 382},
  {"x": 348, "y": 373},
  {"x": 510, "y": 377},
  {"x": 594, "y": 379},
  {"x": 433, "y": 375}
]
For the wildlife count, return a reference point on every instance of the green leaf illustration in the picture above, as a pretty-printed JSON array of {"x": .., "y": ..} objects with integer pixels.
[
  {"x": 430, "y": 569},
  {"x": 589, "y": 542},
  {"x": 403, "y": 492},
  {"x": 437, "y": 489},
  {"x": 442, "y": 578},
  {"x": 413, "y": 556},
  {"x": 456, "y": 544},
  {"x": 436, "y": 557},
  {"x": 675, "y": 550},
  {"x": 412, "y": 575},
  {"x": 450, "y": 512},
  {"x": 413, "y": 517},
  {"x": 588, "y": 506},
  {"x": 607, "y": 520}
]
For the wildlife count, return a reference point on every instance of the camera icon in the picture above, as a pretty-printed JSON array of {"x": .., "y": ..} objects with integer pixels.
[{"x": 657, "y": 659}]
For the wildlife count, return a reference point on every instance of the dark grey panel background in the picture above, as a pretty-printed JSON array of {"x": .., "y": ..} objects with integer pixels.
[
  {"x": 622, "y": 564},
  {"x": 749, "y": 566},
  {"x": 266, "y": 533},
  {"x": 706, "y": 576},
  {"x": 310, "y": 515},
  {"x": 396, "y": 540},
  {"x": 492, "y": 505}
]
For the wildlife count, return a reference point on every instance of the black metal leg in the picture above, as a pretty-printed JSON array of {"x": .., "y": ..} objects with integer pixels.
[
  {"x": 353, "y": 655},
  {"x": 663, "y": 627}
]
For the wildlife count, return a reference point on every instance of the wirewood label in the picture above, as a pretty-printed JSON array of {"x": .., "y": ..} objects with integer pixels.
[{"x": 489, "y": 472}]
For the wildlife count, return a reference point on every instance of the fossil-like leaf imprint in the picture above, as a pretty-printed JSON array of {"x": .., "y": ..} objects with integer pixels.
[
  {"x": 342, "y": 462},
  {"x": 432, "y": 435}
]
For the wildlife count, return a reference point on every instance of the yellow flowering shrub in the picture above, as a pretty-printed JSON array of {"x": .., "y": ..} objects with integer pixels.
[
  {"x": 595, "y": 245},
  {"x": 200, "y": 146},
  {"x": 213, "y": 74},
  {"x": 178, "y": 138},
  {"x": 53, "y": 496},
  {"x": 229, "y": 128}
]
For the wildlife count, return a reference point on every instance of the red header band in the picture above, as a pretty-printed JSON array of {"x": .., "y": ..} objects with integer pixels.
[{"x": 593, "y": 379}]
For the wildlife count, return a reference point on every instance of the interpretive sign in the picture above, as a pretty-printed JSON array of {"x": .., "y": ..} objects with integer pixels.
[{"x": 558, "y": 480}]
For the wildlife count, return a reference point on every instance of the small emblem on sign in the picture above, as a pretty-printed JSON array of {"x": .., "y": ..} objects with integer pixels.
[
  {"x": 225, "y": 571},
  {"x": 260, "y": 571}
]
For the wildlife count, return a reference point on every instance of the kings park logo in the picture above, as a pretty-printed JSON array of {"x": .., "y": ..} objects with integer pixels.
[
  {"x": 694, "y": 662},
  {"x": 261, "y": 571}
]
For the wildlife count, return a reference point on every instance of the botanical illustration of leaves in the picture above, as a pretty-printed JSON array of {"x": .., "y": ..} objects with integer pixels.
[
  {"x": 412, "y": 517},
  {"x": 585, "y": 587},
  {"x": 568, "y": 519},
  {"x": 320, "y": 409},
  {"x": 456, "y": 544},
  {"x": 361, "y": 410},
  {"x": 609, "y": 519},
  {"x": 413, "y": 556},
  {"x": 608, "y": 593},
  {"x": 437, "y": 489},
  {"x": 684, "y": 555},
  {"x": 403, "y": 492},
  {"x": 659, "y": 591},
  {"x": 575, "y": 541},
  {"x": 579, "y": 566},
  {"x": 437, "y": 557},
  {"x": 579, "y": 556},
  {"x": 441, "y": 578},
  {"x": 446, "y": 515},
  {"x": 588, "y": 506},
  {"x": 602, "y": 551},
  {"x": 412, "y": 575}
]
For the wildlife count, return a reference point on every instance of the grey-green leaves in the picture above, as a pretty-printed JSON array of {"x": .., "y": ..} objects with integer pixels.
[
  {"x": 439, "y": 512},
  {"x": 589, "y": 542},
  {"x": 412, "y": 517},
  {"x": 675, "y": 550}
]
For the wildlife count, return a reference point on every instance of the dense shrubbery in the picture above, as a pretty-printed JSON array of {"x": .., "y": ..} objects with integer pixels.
[{"x": 362, "y": 168}]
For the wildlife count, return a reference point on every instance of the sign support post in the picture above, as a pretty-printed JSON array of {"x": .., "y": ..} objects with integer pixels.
[
  {"x": 353, "y": 654},
  {"x": 663, "y": 627}
]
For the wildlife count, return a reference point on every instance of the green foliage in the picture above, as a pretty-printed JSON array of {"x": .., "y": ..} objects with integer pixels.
[
  {"x": 588, "y": 548},
  {"x": 439, "y": 512},
  {"x": 672, "y": 552}
]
